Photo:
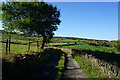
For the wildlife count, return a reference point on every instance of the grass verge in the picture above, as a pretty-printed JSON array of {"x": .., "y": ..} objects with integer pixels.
[
  {"x": 90, "y": 70},
  {"x": 60, "y": 67}
]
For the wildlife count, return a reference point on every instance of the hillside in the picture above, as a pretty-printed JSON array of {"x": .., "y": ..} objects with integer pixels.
[{"x": 26, "y": 50}]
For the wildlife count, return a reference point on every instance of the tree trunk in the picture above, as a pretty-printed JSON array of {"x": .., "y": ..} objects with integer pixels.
[
  {"x": 44, "y": 41},
  {"x": 6, "y": 46},
  {"x": 29, "y": 45},
  {"x": 37, "y": 45},
  {"x": 9, "y": 43}
]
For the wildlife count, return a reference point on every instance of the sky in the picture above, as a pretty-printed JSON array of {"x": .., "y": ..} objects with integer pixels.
[{"x": 92, "y": 20}]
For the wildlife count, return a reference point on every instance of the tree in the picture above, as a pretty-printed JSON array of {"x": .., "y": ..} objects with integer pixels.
[
  {"x": 118, "y": 45},
  {"x": 31, "y": 18},
  {"x": 16, "y": 16}
]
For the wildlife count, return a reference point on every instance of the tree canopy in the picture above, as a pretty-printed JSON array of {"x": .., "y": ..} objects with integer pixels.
[{"x": 31, "y": 18}]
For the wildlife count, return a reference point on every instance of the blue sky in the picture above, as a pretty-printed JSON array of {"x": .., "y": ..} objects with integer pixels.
[{"x": 93, "y": 20}]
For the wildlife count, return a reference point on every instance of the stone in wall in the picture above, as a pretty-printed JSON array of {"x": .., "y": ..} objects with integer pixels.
[
  {"x": 119, "y": 73},
  {"x": 96, "y": 62},
  {"x": 115, "y": 70}
]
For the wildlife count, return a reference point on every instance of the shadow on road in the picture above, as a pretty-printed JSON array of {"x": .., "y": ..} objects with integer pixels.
[
  {"x": 49, "y": 70},
  {"x": 32, "y": 66}
]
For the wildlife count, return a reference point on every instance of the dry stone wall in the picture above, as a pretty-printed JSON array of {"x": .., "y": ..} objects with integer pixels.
[{"x": 109, "y": 69}]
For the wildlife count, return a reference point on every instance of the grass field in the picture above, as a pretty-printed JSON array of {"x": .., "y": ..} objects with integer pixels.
[
  {"x": 17, "y": 48},
  {"x": 18, "y": 40},
  {"x": 88, "y": 47},
  {"x": 56, "y": 44}
]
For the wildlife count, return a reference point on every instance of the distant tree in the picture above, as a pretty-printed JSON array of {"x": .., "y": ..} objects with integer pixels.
[
  {"x": 118, "y": 45},
  {"x": 31, "y": 18},
  {"x": 75, "y": 42},
  {"x": 114, "y": 44}
]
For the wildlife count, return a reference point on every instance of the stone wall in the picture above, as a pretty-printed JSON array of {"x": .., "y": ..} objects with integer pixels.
[{"x": 109, "y": 69}]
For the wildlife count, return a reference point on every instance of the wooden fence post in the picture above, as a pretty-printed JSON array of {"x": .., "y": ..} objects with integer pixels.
[
  {"x": 29, "y": 45},
  {"x": 9, "y": 43},
  {"x": 37, "y": 45},
  {"x": 6, "y": 46}
]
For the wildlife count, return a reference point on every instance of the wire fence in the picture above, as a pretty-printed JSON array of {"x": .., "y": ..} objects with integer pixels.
[{"x": 19, "y": 44}]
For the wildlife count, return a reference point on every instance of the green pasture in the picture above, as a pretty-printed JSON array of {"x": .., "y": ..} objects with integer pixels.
[
  {"x": 17, "y": 42},
  {"x": 56, "y": 44},
  {"x": 63, "y": 41},
  {"x": 17, "y": 48},
  {"x": 88, "y": 47},
  {"x": 19, "y": 37}
]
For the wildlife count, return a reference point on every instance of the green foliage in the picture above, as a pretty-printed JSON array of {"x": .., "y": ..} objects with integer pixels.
[
  {"x": 31, "y": 18},
  {"x": 118, "y": 45}
]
